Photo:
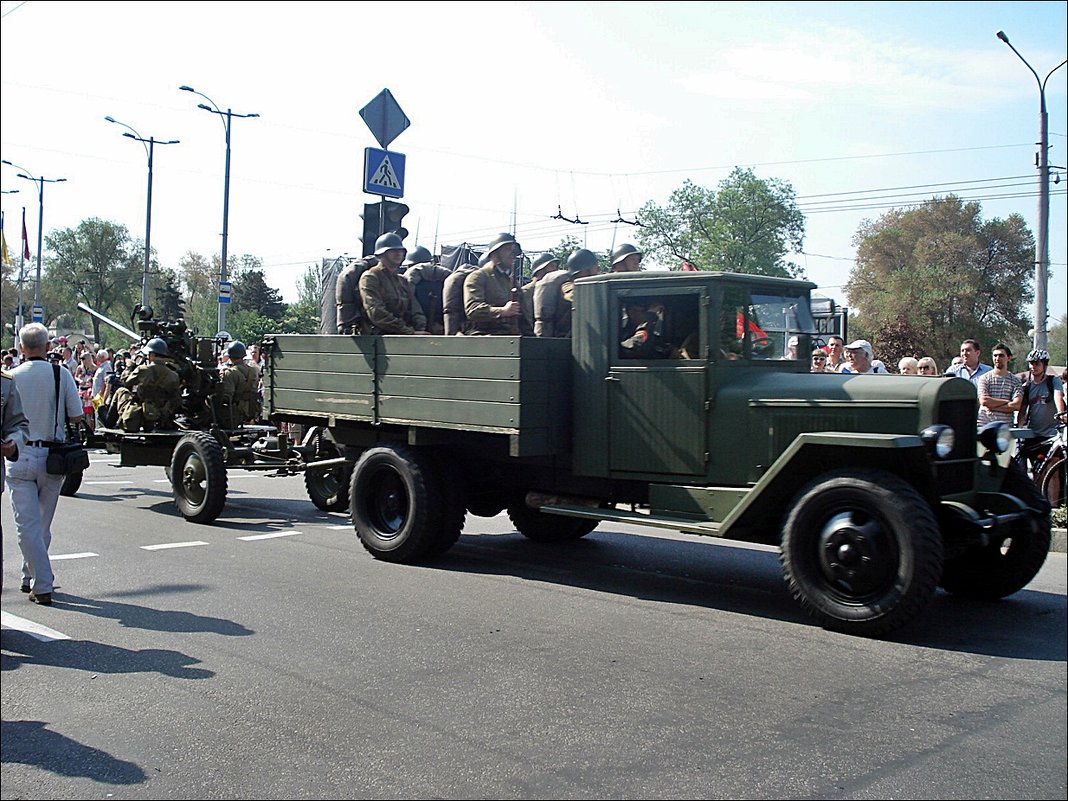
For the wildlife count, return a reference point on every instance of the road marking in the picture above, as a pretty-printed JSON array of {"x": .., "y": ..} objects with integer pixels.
[
  {"x": 107, "y": 482},
  {"x": 54, "y": 556},
  {"x": 172, "y": 545},
  {"x": 270, "y": 536},
  {"x": 43, "y": 633},
  {"x": 339, "y": 528}
]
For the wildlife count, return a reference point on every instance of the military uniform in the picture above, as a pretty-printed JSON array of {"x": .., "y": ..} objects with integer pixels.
[
  {"x": 486, "y": 291},
  {"x": 389, "y": 303},
  {"x": 350, "y": 313},
  {"x": 428, "y": 282},
  {"x": 452, "y": 299},
  {"x": 237, "y": 398},
  {"x": 148, "y": 395},
  {"x": 552, "y": 304}
]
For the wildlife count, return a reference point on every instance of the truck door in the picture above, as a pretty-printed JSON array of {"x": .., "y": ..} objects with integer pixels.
[{"x": 658, "y": 382}]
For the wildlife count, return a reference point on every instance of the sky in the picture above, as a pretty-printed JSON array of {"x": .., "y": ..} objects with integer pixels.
[{"x": 523, "y": 111}]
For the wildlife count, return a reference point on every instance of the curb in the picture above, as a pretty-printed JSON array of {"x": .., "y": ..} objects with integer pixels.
[{"x": 1059, "y": 542}]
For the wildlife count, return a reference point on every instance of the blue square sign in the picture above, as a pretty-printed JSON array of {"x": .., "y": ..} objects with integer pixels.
[{"x": 383, "y": 172}]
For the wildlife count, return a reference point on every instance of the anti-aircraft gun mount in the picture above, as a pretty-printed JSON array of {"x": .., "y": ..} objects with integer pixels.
[{"x": 196, "y": 451}]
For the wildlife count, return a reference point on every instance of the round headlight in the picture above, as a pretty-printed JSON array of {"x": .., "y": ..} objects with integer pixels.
[
  {"x": 940, "y": 437},
  {"x": 995, "y": 437}
]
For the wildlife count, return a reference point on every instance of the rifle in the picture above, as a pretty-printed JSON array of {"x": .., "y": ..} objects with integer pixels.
[{"x": 514, "y": 294}]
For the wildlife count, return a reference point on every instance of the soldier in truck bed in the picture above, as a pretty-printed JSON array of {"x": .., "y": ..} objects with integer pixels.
[
  {"x": 350, "y": 318},
  {"x": 488, "y": 300},
  {"x": 389, "y": 303}
]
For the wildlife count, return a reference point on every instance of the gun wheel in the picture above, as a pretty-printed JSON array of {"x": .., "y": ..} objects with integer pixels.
[
  {"x": 198, "y": 477},
  {"x": 327, "y": 487}
]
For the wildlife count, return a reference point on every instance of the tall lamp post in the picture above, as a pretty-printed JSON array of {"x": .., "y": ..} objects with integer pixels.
[
  {"x": 40, "y": 180},
  {"x": 150, "y": 147},
  {"x": 1042, "y": 162},
  {"x": 226, "y": 117}
]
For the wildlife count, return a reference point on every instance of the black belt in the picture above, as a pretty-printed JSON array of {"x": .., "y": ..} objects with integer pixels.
[{"x": 41, "y": 443}]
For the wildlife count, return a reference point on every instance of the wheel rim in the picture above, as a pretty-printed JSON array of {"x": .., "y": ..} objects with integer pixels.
[
  {"x": 194, "y": 477},
  {"x": 856, "y": 556},
  {"x": 387, "y": 503}
]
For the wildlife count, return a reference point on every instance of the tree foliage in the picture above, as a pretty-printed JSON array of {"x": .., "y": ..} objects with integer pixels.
[
  {"x": 251, "y": 292},
  {"x": 98, "y": 264},
  {"x": 927, "y": 278},
  {"x": 747, "y": 225},
  {"x": 1058, "y": 342},
  {"x": 302, "y": 317}
]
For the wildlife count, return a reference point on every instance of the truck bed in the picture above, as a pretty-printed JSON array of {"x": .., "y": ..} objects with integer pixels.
[{"x": 514, "y": 386}]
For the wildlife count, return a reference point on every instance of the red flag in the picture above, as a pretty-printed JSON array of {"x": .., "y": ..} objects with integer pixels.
[{"x": 25, "y": 239}]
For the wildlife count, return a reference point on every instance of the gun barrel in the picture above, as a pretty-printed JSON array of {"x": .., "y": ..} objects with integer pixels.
[{"x": 105, "y": 319}]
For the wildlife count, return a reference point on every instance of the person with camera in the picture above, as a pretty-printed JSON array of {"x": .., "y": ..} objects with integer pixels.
[{"x": 34, "y": 491}]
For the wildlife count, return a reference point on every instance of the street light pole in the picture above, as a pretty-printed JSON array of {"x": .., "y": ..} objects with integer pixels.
[
  {"x": 226, "y": 117},
  {"x": 150, "y": 146},
  {"x": 1042, "y": 162},
  {"x": 40, "y": 181}
]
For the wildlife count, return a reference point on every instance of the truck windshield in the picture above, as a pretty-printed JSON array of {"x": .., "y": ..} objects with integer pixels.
[{"x": 777, "y": 318}]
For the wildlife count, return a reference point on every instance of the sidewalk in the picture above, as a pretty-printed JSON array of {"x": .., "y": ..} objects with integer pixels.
[{"x": 1059, "y": 541}]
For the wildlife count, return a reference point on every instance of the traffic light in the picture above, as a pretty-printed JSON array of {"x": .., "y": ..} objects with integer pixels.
[
  {"x": 394, "y": 215},
  {"x": 372, "y": 226}
]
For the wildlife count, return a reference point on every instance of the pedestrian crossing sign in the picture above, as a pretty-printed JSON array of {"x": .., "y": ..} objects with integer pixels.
[{"x": 383, "y": 172}]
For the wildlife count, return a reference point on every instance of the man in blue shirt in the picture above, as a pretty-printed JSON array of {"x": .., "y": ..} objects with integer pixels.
[{"x": 971, "y": 368}]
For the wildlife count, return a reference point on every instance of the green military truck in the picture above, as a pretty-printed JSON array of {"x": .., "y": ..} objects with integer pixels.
[{"x": 673, "y": 406}]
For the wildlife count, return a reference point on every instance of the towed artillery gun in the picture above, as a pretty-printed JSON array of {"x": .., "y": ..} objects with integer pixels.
[{"x": 196, "y": 446}]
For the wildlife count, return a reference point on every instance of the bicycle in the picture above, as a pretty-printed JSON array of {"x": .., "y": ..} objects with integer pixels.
[{"x": 1046, "y": 462}]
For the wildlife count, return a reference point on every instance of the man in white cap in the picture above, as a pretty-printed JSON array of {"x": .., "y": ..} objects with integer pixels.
[{"x": 861, "y": 359}]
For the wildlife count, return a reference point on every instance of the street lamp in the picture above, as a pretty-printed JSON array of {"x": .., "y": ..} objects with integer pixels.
[
  {"x": 40, "y": 181},
  {"x": 1042, "y": 162},
  {"x": 226, "y": 117},
  {"x": 150, "y": 146}
]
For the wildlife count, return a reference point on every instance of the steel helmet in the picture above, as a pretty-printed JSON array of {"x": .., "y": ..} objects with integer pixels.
[
  {"x": 483, "y": 260},
  {"x": 236, "y": 350},
  {"x": 224, "y": 336},
  {"x": 390, "y": 241},
  {"x": 624, "y": 250},
  {"x": 501, "y": 240},
  {"x": 155, "y": 345},
  {"x": 580, "y": 260},
  {"x": 418, "y": 255},
  {"x": 1038, "y": 355},
  {"x": 544, "y": 263}
]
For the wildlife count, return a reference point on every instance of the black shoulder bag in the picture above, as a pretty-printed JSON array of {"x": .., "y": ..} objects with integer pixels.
[{"x": 65, "y": 458}]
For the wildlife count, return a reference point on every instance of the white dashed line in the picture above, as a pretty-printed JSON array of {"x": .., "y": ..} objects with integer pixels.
[
  {"x": 340, "y": 528},
  {"x": 107, "y": 482},
  {"x": 43, "y": 633},
  {"x": 86, "y": 555},
  {"x": 270, "y": 536},
  {"x": 172, "y": 545}
]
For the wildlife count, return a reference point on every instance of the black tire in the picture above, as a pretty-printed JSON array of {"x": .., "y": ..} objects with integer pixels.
[
  {"x": 328, "y": 488},
  {"x": 198, "y": 477},
  {"x": 1051, "y": 480},
  {"x": 401, "y": 507},
  {"x": 71, "y": 483},
  {"x": 1015, "y": 553},
  {"x": 861, "y": 552},
  {"x": 542, "y": 527}
]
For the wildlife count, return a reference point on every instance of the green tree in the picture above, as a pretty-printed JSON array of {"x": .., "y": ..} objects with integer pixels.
[
  {"x": 98, "y": 264},
  {"x": 168, "y": 303},
  {"x": 938, "y": 274},
  {"x": 302, "y": 317},
  {"x": 251, "y": 292},
  {"x": 747, "y": 225},
  {"x": 199, "y": 279}
]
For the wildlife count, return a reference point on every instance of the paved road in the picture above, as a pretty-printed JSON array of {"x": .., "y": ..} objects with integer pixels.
[{"x": 269, "y": 656}]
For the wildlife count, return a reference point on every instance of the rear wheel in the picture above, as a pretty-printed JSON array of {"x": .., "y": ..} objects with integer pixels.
[
  {"x": 1051, "y": 479},
  {"x": 402, "y": 509},
  {"x": 327, "y": 487},
  {"x": 198, "y": 476},
  {"x": 541, "y": 527},
  {"x": 861, "y": 552},
  {"x": 1015, "y": 553}
]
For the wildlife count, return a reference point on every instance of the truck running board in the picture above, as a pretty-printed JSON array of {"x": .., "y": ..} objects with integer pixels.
[{"x": 634, "y": 518}]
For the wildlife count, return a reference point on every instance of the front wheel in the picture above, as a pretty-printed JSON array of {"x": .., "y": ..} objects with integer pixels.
[
  {"x": 327, "y": 487},
  {"x": 401, "y": 507},
  {"x": 1051, "y": 479},
  {"x": 198, "y": 476},
  {"x": 1014, "y": 554},
  {"x": 861, "y": 552},
  {"x": 541, "y": 527}
]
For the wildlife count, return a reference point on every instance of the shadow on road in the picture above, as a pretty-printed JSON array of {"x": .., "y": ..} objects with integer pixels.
[
  {"x": 143, "y": 617},
  {"x": 29, "y": 742},
  {"x": 19, "y": 648},
  {"x": 1028, "y": 625}
]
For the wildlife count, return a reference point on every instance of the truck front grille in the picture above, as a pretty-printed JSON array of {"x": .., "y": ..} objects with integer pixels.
[{"x": 958, "y": 476}]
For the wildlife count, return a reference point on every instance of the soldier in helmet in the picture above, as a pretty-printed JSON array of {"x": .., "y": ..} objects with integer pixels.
[
  {"x": 552, "y": 296},
  {"x": 452, "y": 300},
  {"x": 489, "y": 303},
  {"x": 626, "y": 259},
  {"x": 428, "y": 281},
  {"x": 237, "y": 398},
  {"x": 389, "y": 303},
  {"x": 542, "y": 266},
  {"x": 148, "y": 393},
  {"x": 350, "y": 314}
]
